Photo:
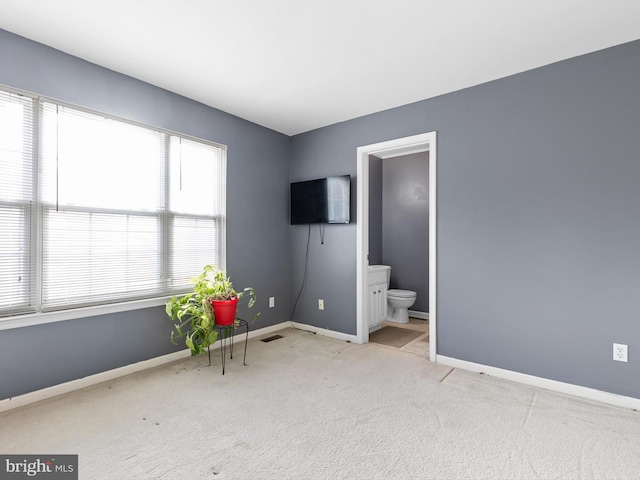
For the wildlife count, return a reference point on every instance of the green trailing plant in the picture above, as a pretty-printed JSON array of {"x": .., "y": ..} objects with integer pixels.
[{"x": 192, "y": 313}]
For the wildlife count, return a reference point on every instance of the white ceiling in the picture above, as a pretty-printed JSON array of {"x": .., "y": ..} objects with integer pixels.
[{"x": 296, "y": 65}]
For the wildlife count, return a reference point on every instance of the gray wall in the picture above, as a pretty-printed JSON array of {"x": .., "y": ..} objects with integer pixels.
[
  {"x": 538, "y": 231},
  {"x": 332, "y": 265},
  {"x": 375, "y": 210},
  {"x": 258, "y": 239},
  {"x": 405, "y": 224}
]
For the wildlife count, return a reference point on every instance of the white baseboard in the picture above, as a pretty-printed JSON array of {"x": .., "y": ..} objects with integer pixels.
[
  {"x": 547, "y": 384},
  {"x": 55, "y": 390},
  {"x": 322, "y": 331},
  {"x": 421, "y": 315}
]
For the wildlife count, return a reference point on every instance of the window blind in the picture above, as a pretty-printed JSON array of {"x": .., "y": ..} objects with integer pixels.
[
  {"x": 96, "y": 210},
  {"x": 17, "y": 205},
  {"x": 127, "y": 212},
  {"x": 102, "y": 212},
  {"x": 197, "y": 209}
]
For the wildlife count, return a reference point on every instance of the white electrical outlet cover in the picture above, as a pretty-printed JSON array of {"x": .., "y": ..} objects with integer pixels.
[{"x": 620, "y": 352}]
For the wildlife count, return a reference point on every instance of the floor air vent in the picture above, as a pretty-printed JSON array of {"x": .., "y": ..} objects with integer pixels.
[{"x": 271, "y": 338}]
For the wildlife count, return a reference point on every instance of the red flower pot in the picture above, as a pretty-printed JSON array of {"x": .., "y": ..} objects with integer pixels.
[{"x": 224, "y": 311}]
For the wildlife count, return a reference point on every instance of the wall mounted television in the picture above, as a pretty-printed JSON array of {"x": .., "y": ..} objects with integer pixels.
[{"x": 324, "y": 200}]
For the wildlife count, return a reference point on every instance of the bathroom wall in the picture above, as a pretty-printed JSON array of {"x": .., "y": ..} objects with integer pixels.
[
  {"x": 375, "y": 210},
  {"x": 405, "y": 224}
]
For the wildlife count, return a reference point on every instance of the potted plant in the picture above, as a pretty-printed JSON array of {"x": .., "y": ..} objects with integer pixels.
[{"x": 199, "y": 310}]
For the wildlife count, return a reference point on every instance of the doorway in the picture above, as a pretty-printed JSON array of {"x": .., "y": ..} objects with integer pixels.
[{"x": 425, "y": 142}]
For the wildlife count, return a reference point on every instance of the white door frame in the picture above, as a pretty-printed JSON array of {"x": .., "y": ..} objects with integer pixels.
[{"x": 424, "y": 142}]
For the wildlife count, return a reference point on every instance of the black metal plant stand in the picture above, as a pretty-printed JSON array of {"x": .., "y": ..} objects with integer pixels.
[{"x": 226, "y": 332}]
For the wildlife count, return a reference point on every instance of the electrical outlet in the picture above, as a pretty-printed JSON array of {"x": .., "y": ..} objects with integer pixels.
[
  {"x": 272, "y": 302},
  {"x": 620, "y": 352},
  {"x": 320, "y": 304}
]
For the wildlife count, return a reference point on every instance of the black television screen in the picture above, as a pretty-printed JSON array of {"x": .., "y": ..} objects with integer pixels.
[{"x": 325, "y": 200}]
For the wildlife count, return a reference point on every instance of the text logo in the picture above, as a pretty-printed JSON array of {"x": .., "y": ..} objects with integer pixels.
[{"x": 49, "y": 467}]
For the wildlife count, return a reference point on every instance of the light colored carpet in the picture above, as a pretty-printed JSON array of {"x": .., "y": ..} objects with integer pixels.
[
  {"x": 309, "y": 407},
  {"x": 394, "y": 336}
]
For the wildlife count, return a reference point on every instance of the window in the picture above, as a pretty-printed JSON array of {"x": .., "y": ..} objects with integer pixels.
[
  {"x": 17, "y": 202},
  {"x": 125, "y": 211},
  {"x": 196, "y": 210}
]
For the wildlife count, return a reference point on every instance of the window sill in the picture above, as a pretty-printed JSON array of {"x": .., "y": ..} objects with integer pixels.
[{"x": 31, "y": 319}]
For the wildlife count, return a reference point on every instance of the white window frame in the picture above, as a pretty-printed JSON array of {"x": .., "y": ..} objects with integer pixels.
[{"x": 43, "y": 317}]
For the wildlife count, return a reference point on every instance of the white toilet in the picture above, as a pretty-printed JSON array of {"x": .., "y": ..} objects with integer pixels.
[{"x": 399, "y": 302}]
